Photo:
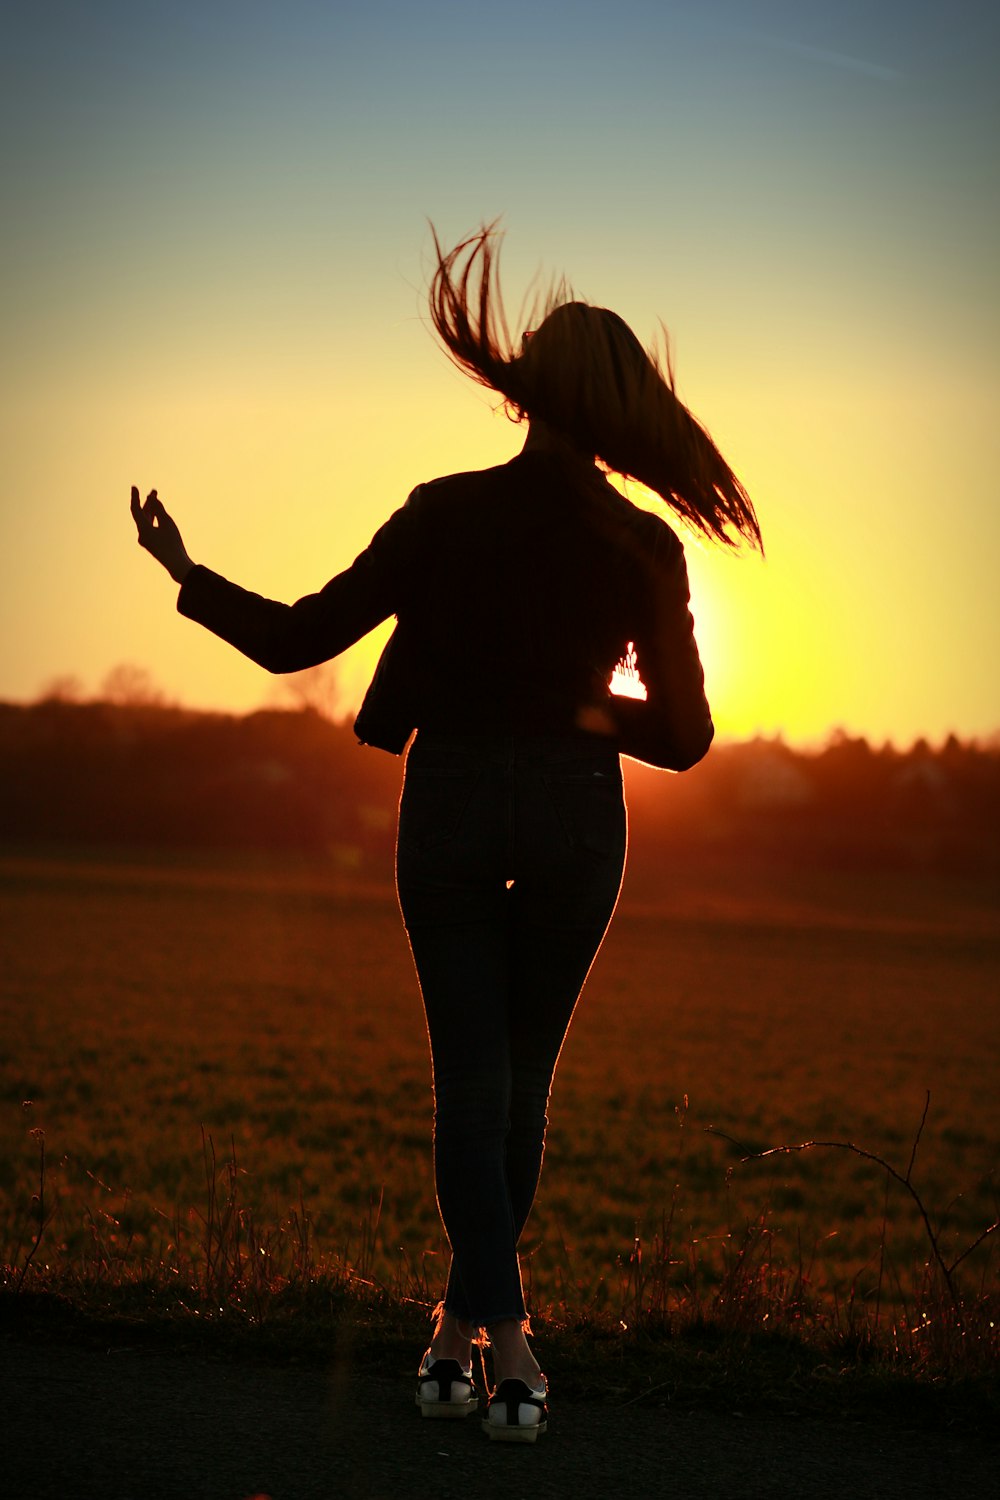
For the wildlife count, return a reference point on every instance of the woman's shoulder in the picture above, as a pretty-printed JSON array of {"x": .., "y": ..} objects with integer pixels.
[
  {"x": 645, "y": 531},
  {"x": 658, "y": 531},
  {"x": 532, "y": 484},
  {"x": 458, "y": 485}
]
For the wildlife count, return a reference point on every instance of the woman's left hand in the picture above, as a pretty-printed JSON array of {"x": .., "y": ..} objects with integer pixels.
[{"x": 160, "y": 535}]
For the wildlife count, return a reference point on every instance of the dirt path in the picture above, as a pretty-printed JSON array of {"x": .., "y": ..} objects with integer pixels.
[{"x": 129, "y": 1424}]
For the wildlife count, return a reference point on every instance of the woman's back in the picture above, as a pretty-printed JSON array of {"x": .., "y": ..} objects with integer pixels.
[
  {"x": 520, "y": 580},
  {"x": 523, "y": 586}
]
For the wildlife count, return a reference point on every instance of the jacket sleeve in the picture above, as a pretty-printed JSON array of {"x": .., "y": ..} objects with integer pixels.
[
  {"x": 289, "y": 637},
  {"x": 672, "y": 728}
]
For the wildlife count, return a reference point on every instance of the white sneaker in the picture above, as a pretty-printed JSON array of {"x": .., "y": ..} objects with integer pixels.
[
  {"x": 444, "y": 1388},
  {"x": 517, "y": 1412}
]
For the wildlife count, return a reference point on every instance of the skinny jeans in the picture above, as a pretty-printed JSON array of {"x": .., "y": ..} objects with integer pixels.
[{"x": 509, "y": 861}]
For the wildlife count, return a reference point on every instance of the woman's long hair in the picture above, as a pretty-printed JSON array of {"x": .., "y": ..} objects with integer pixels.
[{"x": 583, "y": 371}]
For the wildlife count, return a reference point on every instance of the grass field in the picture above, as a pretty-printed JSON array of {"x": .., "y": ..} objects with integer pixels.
[{"x": 275, "y": 1009}]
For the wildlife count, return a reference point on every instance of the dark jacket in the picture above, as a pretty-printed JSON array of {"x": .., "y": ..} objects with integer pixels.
[{"x": 516, "y": 590}]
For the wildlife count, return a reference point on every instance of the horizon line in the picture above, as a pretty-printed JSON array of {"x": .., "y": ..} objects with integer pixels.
[{"x": 158, "y": 700}]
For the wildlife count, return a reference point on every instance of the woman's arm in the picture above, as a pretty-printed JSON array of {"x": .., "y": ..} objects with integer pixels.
[
  {"x": 672, "y": 728},
  {"x": 284, "y": 637}
]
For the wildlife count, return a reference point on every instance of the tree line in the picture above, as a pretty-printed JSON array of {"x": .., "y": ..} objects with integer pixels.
[{"x": 150, "y": 775}]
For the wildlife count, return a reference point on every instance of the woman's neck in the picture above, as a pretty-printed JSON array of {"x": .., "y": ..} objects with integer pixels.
[{"x": 545, "y": 439}]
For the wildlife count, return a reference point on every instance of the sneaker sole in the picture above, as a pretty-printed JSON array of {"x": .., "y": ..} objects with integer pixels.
[
  {"x": 500, "y": 1434},
  {"x": 446, "y": 1411}
]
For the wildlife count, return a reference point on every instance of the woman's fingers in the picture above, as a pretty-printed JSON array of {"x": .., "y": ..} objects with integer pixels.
[
  {"x": 159, "y": 534},
  {"x": 142, "y": 518},
  {"x": 148, "y": 516}
]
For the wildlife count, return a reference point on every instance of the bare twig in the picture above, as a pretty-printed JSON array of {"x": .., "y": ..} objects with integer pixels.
[
  {"x": 892, "y": 1172},
  {"x": 975, "y": 1244},
  {"x": 916, "y": 1138}
]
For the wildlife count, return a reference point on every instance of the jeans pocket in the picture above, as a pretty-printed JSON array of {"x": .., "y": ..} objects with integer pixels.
[
  {"x": 433, "y": 804},
  {"x": 590, "y": 808}
]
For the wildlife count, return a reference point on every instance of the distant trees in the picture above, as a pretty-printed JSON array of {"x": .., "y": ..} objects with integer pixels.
[
  {"x": 136, "y": 771},
  {"x": 144, "y": 773},
  {"x": 62, "y": 689},
  {"x": 846, "y": 805},
  {"x": 130, "y": 684},
  {"x": 316, "y": 688}
]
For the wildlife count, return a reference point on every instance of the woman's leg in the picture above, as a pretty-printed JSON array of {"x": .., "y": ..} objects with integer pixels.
[
  {"x": 450, "y": 878},
  {"x": 452, "y": 1338},
  {"x": 570, "y": 843},
  {"x": 570, "y": 840},
  {"x": 462, "y": 979}
]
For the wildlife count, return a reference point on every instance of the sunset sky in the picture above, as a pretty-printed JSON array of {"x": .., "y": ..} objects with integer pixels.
[{"x": 215, "y": 253}]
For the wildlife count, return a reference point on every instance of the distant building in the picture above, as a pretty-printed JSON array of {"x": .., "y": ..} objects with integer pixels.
[{"x": 770, "y": 778}]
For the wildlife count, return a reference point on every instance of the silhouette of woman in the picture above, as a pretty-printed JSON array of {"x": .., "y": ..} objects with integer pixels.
[{"x": 516, "y": 590}]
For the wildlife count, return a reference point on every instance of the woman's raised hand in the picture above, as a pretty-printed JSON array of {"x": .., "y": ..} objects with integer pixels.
[{"x": 159, "y": 534}]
